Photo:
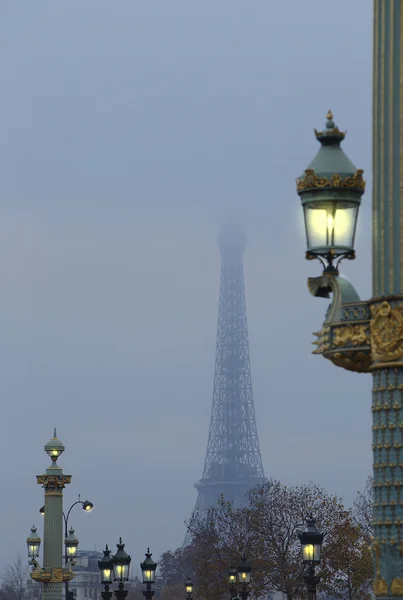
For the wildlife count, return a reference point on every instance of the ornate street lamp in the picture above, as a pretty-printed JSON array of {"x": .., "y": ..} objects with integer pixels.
[
  {"x": 330, "y": 190},
  {"x": 33, "y": 545},
  {"x": 148, "y": 568},
  {"x": 121, "y": 566},
  {"x": 189, "y": 589},
  {"x": 105, "y": 565},
  {"x": 71, "y": 544},
  {"x": 311, "y": 541},
  {"x": 244, "y": 572}
]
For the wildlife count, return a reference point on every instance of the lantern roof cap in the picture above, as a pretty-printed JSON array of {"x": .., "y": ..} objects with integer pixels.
[
  {"x": 34, "y": 536},
  {"x": 311, "y": 535},
  {"x": 121, "y": 555},
  {"x": 148, "y": 562},
  {"x": 71, "y": 538},
  {"x": 107, "y": 560},
  {"x": 331, "y": 168}
]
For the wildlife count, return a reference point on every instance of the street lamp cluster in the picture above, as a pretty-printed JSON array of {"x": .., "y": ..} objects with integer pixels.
[{"x": 117, "y": 567}]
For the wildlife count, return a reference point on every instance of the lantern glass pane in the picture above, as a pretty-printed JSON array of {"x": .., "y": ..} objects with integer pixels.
[
  {"x": 33, "y": 549},
  {"x": 330, "y": 225},
  {"x": 148, "y": 575},
  {"x": 121, "y": 571},
  {"x": 244, "y": 577},
  {"x": 311, "y": 553},
  {"x": 106, "y": 575}
]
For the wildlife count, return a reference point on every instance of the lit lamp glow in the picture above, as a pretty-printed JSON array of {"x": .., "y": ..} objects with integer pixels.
[
  {"x": 330, "y": 227},
  {"x": 88, "y": 506},
  {"x": 232, "y": 576}
]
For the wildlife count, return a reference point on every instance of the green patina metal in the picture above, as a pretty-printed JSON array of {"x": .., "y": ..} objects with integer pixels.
[
  {"x": 367, "y": 336},
  {"x": 52, "y": 574}
]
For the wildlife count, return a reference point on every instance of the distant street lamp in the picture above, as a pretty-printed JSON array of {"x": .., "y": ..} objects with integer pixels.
[
  {"x": 148, "y": 568},
  {"x": 189, "y": 589},
  {"x": 105, "y": 565},
  {"x": 244, "y": 573},
  {"x": 232, "y": 582},
  {"x": 311, "y": 542}
]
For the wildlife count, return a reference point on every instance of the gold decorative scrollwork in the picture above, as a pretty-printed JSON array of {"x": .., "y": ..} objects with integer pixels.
[
  {"x": 380, "y": 587},
  {"x": 312, "y": 181},
  {"x": 356, "y": 335},
  {"x": 386, "y": 332},
  {"x": 351, "y": 360},
  {"x": 53, "y": 481},
  {"x": 397, "y": 587},
  {"x": 54, "y": 575}
]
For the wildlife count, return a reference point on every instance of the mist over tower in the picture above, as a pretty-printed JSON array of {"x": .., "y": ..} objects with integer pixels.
[{"x": 233, "y": 462}]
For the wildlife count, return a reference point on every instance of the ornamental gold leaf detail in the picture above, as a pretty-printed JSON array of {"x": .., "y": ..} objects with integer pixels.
[
  {"x": 397, "y": 587},
  {"x": 312, "y": 181},
  {"x": 386, "y": 332},
  {"x": 53, "y": 481},
  {"x": 380, "y": 587},
  {"x": 356, "y": 335}
]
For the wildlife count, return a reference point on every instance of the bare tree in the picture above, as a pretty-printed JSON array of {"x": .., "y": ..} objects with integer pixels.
[
  {"x": 363, "y": 508},
  {"x": 15, "y": 578}
]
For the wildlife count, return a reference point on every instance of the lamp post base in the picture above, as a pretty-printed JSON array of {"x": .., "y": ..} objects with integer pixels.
[{"x": 106, "y": 595}]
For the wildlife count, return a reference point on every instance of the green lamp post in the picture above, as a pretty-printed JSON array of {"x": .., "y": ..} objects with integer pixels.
[
  {"x": 311, "y": 542},
  {"x": 232, "y": 573},
  {"x": 148, "y": 568},
  {"x": 121, "y": 566},
  {"x": 52, "y": 574},
  {"x": 105, "y": 566},
  {"x": 367, "y": 336},
  {"x": 189, "y": 589},
  {"x": 244, "y": 575}
]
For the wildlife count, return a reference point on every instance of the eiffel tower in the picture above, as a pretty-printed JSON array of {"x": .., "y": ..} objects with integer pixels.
[{"x": 233, "y": 462}]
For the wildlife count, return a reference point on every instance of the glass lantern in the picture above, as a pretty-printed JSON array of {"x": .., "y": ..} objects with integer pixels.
[
  {"x": 121, "y": 563},
  {"x": 33, "y": 543},
  {"x": 105, "y": 565},
  {"x": 71, "y": 543},
  {"x": 244, "y": 570},
  {"x": 311, "y": 542},
  {"x": 148, "y": 568}
]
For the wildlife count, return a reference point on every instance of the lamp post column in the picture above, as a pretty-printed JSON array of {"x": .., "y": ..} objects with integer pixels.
[
  {"x": 53, "y": 481},
  {"x": 387, "y": 303}
]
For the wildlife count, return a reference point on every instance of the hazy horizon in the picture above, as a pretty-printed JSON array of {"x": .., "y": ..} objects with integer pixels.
[{"x": 129, "y": 132}]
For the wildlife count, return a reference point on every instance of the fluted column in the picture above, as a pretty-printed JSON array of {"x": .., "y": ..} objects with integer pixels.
[{"x": 387, "y": 303}]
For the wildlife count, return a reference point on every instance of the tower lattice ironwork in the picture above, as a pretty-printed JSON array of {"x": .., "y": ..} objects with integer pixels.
[{"x": 233, "y": 461}]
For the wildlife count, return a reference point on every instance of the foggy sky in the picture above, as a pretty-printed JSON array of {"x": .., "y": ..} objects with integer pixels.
[{"x": 129, "y": 131}]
